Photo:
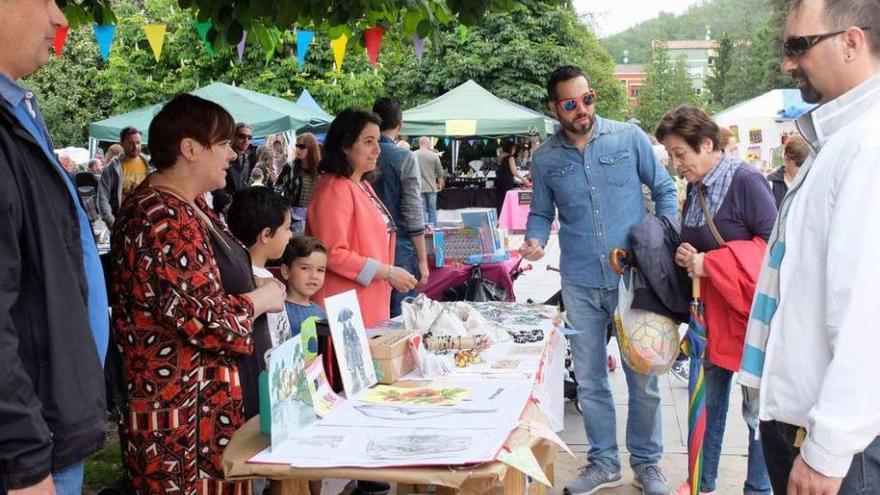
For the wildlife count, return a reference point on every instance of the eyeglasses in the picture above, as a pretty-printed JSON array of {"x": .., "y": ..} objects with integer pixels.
[
  {"x": 300, "y": 146},
  {"x": 587, "y": 98},
  {"x": 796, "y": 46},
  {"x": 245, "y": 136}
]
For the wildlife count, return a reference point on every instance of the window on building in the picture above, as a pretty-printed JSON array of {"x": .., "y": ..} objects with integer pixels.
[
  {"x": 711, "y": 62},
  {"x": 634, "y": 90}
]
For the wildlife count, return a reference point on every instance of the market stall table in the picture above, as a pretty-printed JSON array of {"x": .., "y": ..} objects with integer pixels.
[
  {"x": 468, "y": 197},
  {"x": 448, "y": 276},
  {"x": 515, "y": 210}
]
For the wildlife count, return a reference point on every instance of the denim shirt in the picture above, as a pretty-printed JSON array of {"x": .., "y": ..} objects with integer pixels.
[{"x": 598, "y": 195}]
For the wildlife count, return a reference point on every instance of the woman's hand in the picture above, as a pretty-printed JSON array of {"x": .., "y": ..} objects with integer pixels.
[
  {"x": 268, "y": 297},
  {"x": 683, "y": 254},
  {"x": 400, "y": 279},
  {"x": 695, "y": 266}
]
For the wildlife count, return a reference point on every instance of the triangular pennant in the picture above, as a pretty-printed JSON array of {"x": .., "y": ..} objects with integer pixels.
[
  {"x": 303, "y": 41},
  {"x": 446, "y": 141},
  {"x": 60, "y": 38},
  {"x": 202, "y": 28},
  {"x": 433, "y": 142},
  {"x": 462, "y": 32},
  {"x": 104, "y": 36},
  {"x": 485, "y": 142},
  {"x": 471, "y": 142},
  {"x": 156, "y": 37},
  {"x": 373, "y": 40},
  {"x": 240, "y": 47},
  {"x": 338, "y": 47},
  {"x": 419, "y": 44}
]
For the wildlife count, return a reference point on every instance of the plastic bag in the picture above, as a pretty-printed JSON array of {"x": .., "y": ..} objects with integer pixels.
[{"x": 648, "y": 341}]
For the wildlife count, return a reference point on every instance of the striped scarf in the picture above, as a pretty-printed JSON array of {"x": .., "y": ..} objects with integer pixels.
[{"x": 767, "y": 292}]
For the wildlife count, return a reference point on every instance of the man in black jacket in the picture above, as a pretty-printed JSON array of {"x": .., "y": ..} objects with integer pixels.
[{"x": 54, "y": 322}]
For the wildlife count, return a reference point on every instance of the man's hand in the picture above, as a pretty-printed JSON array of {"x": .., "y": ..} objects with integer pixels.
[
  {"x": 695, "y": 266},
  {"x": 683, "y": 254},
  {"x": 45, "y": 487},
  {"x": 424, "y": 273},
  {"x": 805, "y": 480},
  {"x": 531, "y": 250}
]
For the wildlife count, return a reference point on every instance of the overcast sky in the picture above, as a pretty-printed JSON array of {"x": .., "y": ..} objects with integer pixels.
[{"x": 613, "y": 16}]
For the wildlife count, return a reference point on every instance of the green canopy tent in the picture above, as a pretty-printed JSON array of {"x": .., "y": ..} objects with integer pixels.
[
  {"x": 265, "y": 114},
  {"x": 471, "y": 110}
]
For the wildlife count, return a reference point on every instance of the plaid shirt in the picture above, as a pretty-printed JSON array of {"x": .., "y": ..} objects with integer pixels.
[{"x": 715, "y": 185}]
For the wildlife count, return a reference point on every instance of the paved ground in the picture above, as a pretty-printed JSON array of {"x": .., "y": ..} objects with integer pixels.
[{"x": 538, "y": 285}]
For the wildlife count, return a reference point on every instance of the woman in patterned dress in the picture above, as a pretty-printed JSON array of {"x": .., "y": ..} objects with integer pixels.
[{"x": 178, "y": 331}]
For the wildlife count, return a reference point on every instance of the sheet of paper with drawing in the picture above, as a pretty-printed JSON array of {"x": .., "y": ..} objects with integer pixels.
[
  {"x": 350, "y": 341},
  {"x": 324, "y": 398},
  {"x": 289, "y": 397}
]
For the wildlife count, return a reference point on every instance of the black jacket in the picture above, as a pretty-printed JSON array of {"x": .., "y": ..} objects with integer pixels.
[
  {"x": 52, "y": 406},
  {"x": 664, "y": 286},
  {"x": 778, "y": 185}
]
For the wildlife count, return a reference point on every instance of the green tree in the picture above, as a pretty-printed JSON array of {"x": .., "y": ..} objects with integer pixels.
[
  {"x": 667, "y": 85},
  {"x": 717, "y": 80}
]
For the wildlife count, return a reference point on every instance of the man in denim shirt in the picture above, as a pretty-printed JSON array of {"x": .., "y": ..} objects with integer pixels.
[{"x": 592, "y": 173}]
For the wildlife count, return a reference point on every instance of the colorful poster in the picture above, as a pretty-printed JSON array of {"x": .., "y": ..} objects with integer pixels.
[
  {"x": 350, "y": 341},
  {"x": 324, "y": 398},
  {"x": 427, "y": 396},
  {"x": 289, "y": 397}
]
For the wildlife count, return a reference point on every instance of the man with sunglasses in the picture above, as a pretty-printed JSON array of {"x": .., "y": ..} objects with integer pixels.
[
  {"x": 238, "y": 174},
  {"x": 592, "y": 172},
  {"x": 812, "y": 336}
]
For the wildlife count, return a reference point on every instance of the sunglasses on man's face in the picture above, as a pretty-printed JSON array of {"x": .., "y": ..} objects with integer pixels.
[
  {"x": 245, "y": 136},
  {"x": 796, "y": 46},
  {"x": 571, "y": 104},
  {"x": 300, "y": 146}
]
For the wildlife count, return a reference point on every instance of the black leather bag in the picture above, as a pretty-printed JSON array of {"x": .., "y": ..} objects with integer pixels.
[{"x": 476, "y": 289}]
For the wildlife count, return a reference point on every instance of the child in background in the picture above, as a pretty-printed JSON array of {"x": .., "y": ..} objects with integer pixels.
[
  {"x": 303, "y": 267},
  {"x": 260, "y": 219}
]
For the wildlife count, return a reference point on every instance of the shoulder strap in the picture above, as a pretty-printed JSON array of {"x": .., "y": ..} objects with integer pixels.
[{"x": 709, "y": 221}]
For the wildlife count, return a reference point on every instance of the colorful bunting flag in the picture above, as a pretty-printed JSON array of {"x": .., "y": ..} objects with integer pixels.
[
  {"x": 373, "y": 40},
  {"x": 446, "y": 141},
  {"x": 60, "y": 38},
  {"x": 419, "y": 44},
  {"x": 303, "y": 40},
  {"x": 241, "y": 44},
  {"x": 156, "y": 37},
  {"x": 104, "y": 37},
  {"x": 338, "y": 47},
  {"x": 202, "y": 28},
  {"x": 471, "y": 142}
]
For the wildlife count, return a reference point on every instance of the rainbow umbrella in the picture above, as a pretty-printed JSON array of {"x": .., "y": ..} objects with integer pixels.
[{"x": 694, "y": 345}]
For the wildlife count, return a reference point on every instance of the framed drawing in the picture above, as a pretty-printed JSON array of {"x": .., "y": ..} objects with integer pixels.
[{"x": 350, "y": 341}]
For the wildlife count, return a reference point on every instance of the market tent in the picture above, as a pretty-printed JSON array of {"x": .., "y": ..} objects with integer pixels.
[
  {"x": 305, "y": 99},
  {"x": 551, "y": 125},
  {"x": 760, "y": 123},
  {"x": 265, "y": 114},
  {"x": 470, "y": 110}
]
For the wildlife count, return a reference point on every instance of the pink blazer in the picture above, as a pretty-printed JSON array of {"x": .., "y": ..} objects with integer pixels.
[{"x": 344, "y": 217}]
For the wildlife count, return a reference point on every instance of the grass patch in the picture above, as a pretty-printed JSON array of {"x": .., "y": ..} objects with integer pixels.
[{"x": 103, "y": 468}]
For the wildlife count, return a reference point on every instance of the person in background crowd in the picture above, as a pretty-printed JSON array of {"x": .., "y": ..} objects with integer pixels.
[
  {"x": 297, "y": 180},
  {"x": 280, "y": 153},
  {"x": 95, "y": 167},
  {"x": 432, "y": 178},
  {"x": 351, "y": 220},
  {"x": 399, "y": 189},
  {"x": 188, "y": 307},
  {"x": 728, "y": 142},
  {"x": 54, "y": 324},
  {"x": 113, "y": 151},
  {"x": 239, "y": 172},
  {"x": 592, "y": 173},
  {"x": 728, "y": 197},
  {"x": 796, "y": 152},
  {"x": 122, "y": 175},
  {"x": 257, "y": 177},
  {"x": 507, "y": 170},
  {"x": 812, "y": 333}
]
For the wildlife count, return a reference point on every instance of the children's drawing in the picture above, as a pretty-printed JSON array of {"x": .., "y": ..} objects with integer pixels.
[
  {"x": 309, "y": 334},
  {"x": 395, "y": 413},
  {"x": 350, "y": 341},
  {"x": 324, "y": 398},
  {"x": 429, "y": 396},
  {"x": 289, "y": 397},
  {"x": 405, "y": 447}
]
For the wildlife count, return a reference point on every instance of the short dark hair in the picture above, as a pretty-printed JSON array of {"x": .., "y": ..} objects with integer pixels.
[
  {"x": 508, "y": 145},
  {"x": 254, "y": 209},
  {"x": 302, "y": 247},
  {"x": 187, "y": 116},
  {"x": 342, "y": 135},
  {"x": 124, "y": 133},
  {"x": 241, "y": 125},
  {"x": 841, "y": 14},
  {"x": 690, "y": 123},
  {"x": 562, "y": 74},
  {"x": 388, "y": 109}
]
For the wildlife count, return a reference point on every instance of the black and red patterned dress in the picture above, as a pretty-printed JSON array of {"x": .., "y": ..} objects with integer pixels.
[{"x": 179, "y": 335}]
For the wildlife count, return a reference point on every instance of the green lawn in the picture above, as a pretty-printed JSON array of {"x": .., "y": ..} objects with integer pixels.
[{"x": 103, "y": 468}]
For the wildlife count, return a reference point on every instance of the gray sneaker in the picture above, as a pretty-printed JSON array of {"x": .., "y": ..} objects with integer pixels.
[
  {"x": 650, "y": 479},
  {"x": 593, "y": 478}
]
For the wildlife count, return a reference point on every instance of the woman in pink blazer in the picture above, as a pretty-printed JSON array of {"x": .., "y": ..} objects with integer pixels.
[{"x": 348, "y": 216}]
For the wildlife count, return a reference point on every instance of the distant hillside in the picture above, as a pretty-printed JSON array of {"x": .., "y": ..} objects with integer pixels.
[{"x": 739, "y": 18}]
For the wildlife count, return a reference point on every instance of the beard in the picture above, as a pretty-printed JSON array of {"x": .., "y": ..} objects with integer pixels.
[
  {"x": 573, "y": 127},
  {"x": 809, "y": 93}
]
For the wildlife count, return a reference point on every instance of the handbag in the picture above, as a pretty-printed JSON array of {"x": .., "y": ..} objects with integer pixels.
[
  {"x": 648, "y": 341},
  {"x": 476, "y": 289}
]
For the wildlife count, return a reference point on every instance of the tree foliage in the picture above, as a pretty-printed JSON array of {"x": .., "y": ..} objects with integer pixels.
[
  {"x": 509, "y": 53},
  {"x": 667, "y": 86}
]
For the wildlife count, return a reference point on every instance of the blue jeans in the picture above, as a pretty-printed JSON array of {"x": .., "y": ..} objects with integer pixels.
[
  {"x": 718, "y": 382},
  {"x": 429, "y": 206},
  {"x": 69, "y": 480},
  {"x": 404, "y": 257},
  {"x": 589, "y": 311}
]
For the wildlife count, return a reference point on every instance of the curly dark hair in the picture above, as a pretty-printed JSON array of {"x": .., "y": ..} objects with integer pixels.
[{"x": 343, "y": 133}]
